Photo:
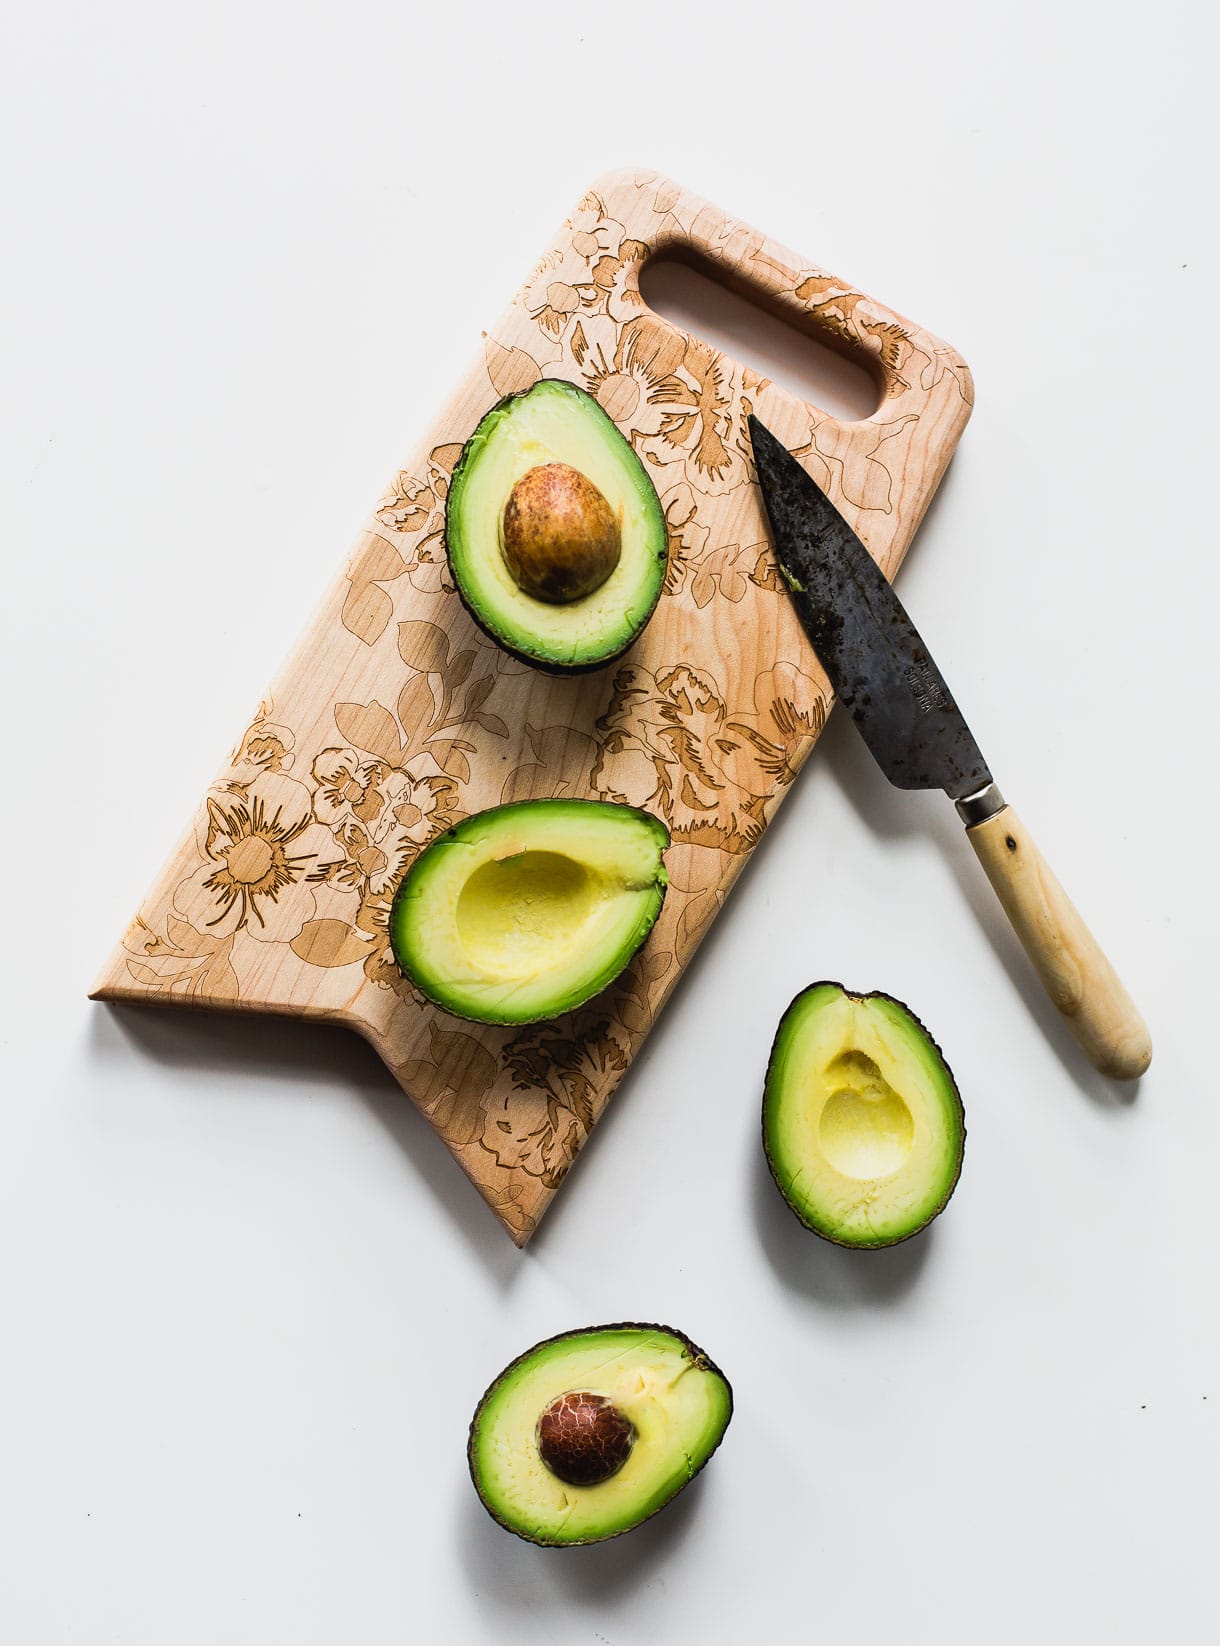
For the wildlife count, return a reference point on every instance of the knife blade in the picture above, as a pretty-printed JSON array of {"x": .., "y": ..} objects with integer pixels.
[{"x": 882, "y": 672}]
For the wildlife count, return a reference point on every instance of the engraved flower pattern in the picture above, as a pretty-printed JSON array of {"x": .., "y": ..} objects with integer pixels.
[
  {"x": 265, "y": 747},
  {"x": 687, "y": 534},
  {"x": 793, "y": 701},
  {"x": 630, "y": 372},
  {"x": 579, "y": 276},
  {"x": 839, "y": 461},
  {"x": 591, "y": 232},
  {"x": 414, "y": 508},
  {"x": 540, "y": 1124},
  {"x": 380, "y": 814},
  {"x": 263, "y": 852},
  {"x": 703, "y": 429},
  {"x": 669, "y": 744}
]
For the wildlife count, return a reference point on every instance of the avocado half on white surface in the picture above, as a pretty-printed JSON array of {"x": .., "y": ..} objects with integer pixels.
[
  {"x": 863, "y": 1124},
  {"x": 590, "y": 1433}
]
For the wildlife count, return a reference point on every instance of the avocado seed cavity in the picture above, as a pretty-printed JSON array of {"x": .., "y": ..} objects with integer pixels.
[
  {"x": 866, "y": 1128},
  {"x": 561, "y": 538},
  {"x": 584, "y": 1439},
  {"x": 517, "y": 915}
]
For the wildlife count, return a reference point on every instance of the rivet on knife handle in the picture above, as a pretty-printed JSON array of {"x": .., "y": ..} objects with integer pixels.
[{"x": 1067, "y": 957}]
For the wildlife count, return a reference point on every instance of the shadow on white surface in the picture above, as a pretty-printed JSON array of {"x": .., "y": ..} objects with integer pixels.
[
  {"x": 890, "y": 813},
  {"x": 231, "y": 1045},
  {"x": 826, "y": 1273},
  {"x": 509, "y": 1570},
  {"x": 548, "y": 1236}
]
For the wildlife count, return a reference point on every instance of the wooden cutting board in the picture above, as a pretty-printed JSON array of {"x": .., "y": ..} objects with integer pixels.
[{"x": 397, "y": 716}]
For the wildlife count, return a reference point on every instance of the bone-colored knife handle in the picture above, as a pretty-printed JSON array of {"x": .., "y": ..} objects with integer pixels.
[{"x": 1074, "y": 971}]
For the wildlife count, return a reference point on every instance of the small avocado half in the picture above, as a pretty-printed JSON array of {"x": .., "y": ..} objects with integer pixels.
[
  {"x": 528, "y": 910},
  {"x": 555, "y": 534},
  {"x": 862, "y": 1121},
  {"x": 588, "y": 1434}
]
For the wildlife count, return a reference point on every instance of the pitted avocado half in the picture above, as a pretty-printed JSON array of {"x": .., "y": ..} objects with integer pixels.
[
  {"x": 528, "y": 910},
  {"x": 862, "y": 1122},
  {"x": 555, "y": 534},
  {"x": 588, "y": 1434}
]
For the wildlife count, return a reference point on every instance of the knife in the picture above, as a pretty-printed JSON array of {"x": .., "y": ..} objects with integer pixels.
[{"x": 881, "y": 671}]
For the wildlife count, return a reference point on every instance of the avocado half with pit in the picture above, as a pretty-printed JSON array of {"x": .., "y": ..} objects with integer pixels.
[
  {"x": 528, "y": 910},
  {"x": 862, "y": 1121},
  {"x": 555, "y": 535},
  {"x": 588, "y": 1434}
]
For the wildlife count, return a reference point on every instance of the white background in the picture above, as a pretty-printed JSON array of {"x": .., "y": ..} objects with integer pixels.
[{"x": 248, "y": 1302}]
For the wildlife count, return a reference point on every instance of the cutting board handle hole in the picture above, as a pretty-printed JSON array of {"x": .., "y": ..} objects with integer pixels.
[{"x": 686, "y": 292}]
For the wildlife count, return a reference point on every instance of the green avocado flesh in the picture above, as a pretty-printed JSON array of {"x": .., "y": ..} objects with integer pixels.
[
  {"x": 862, "y": 1121},
  {"x": 528, "y": 910},
  {"x": 667, "y": 1397},
  {"x": 554, "y": 422}
]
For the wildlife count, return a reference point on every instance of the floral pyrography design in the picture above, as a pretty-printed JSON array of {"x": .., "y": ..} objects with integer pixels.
[
  {"x": 632, "y": 373},
  {"x": 669, "y": 743},
  {"x": 583, "y": 274},
  {"x": 706, "y": 569},
  {"x": 381, "y": 815},
  {"x": 394, "y": 787},
  {"x": 673, "y": 397},
  {"x": 265, "y": 747},
  {"x": 406, "y": 539},
  {"x": 263, "y": 853},
  {"x": 539, "y": 1126},
  {"x": 793, "y": 703}
]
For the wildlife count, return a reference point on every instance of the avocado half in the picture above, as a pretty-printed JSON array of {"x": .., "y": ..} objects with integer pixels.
[
  {"x": 862, "y": 1121},
  {"x": 588, "y": 1434},
  {"x": 554, "y": 425},
  {"x": 528, "y": 910}
]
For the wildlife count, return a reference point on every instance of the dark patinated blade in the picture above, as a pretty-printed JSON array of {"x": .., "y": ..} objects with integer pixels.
[{"x": 879, "y": 667}]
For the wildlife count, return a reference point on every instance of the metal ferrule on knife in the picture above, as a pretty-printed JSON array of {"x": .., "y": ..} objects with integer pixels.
[{"x": 982, "y": 804}]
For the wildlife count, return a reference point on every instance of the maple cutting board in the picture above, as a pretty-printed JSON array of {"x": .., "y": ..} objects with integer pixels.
[{"x": 397, "y": 716}]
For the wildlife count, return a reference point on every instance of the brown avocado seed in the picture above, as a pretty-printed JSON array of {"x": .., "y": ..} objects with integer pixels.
[
  {"x": 561, "y": 539},
  {"x": 584, "y": 1439}
]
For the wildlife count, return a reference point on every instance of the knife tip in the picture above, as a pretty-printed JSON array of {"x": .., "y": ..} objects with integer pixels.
[
  {"x": 767, "y": 450},
  {"x": 761, "y": 438}
]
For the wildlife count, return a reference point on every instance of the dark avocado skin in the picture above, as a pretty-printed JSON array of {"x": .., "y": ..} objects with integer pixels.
[
  {"x": 855, "y": 1245},
  {"x": 703, "y": 1361},
  {"x": 561, "y": 670}
]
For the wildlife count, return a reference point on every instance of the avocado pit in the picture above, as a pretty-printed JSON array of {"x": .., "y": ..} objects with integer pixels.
[
  {"x": 550, "y": 1438},
  {"x": 584, "y": 1439},
  {"x": 561, "y": 540}
]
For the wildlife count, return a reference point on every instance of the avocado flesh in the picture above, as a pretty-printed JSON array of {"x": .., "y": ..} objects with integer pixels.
[
  {"x": 554, "y": 422},
  {"x": 862, "y": 1122},
  {"x": 677, "y": 1401},
  {"x": 528, "y": 910}
]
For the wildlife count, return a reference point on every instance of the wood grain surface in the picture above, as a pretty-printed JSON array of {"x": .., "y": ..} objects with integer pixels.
[
  {"x": 1074, "y": 971},
  {"x": 396, "y": 716}
]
